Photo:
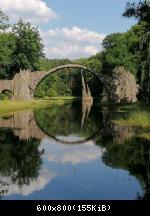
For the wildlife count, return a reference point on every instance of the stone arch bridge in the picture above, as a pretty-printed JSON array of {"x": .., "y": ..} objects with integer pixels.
[
  {"x": 119, "y": 87},
  {"x": 24, "y": 83}
]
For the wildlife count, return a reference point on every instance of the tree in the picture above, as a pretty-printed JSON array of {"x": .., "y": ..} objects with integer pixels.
[
  {"x": 141, "y": 11},
  {"x": 7, "y": 47},
  {"x": 28, "y": 46},
  {"x": 121, "y": 49},
  {"x": 3, "y": 21},
  {"x": 145, "y": 66}
]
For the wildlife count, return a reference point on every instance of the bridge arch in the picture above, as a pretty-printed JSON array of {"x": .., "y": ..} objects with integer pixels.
[
  {"x": 24, "y": 83},
  {"x": 40, "y": 76},
  {"x": 6, "y": 85},
  {"x": 6, "y": 93}
]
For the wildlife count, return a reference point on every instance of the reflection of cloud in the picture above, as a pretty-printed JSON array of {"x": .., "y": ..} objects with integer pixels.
[
  {"x": 74, "y": 154},
  {"x": 35, "y": 185}
]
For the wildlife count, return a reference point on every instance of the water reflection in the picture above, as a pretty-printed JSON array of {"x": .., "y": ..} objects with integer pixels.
[
  {"x": 72, "y": 151},
  {"x": 73, "y": 154},
  {"x": 20, "y": 161}
]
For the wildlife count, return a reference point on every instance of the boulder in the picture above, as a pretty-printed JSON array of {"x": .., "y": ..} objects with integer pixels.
[{"x": 122, "y": 86}]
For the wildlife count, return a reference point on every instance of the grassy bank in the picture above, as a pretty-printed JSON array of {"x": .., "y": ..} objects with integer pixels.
[
  {"x": 60, "y": 98},
  {"x": 13, "y": 106},
  {"x": 135, "y": 119}
]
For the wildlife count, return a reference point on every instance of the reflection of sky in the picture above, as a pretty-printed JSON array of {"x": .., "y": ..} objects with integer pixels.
[
  {"x": 79, "y": 153},
  {"x": 75, "y": 172},
  {"x": 35, "y": 184}
]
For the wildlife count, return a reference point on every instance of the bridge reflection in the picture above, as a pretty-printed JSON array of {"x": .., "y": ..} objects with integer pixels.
[{"x": 25, "y": 126}]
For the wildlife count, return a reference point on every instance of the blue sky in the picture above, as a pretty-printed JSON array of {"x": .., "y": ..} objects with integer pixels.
[
  {"x": 103, "y": 16},
  {"x": 71, "y": 28}
]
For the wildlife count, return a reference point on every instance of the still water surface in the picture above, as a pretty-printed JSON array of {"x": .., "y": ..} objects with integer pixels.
[{"x": 71, "y": 151}]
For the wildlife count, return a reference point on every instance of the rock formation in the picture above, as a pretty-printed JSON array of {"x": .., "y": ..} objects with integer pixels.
[
  {"x": 86, "y": 94},
  {"x": 122, "y": 85}
]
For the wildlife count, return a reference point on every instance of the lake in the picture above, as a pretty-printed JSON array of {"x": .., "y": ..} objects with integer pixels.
[{"x": 75, "y": 151}]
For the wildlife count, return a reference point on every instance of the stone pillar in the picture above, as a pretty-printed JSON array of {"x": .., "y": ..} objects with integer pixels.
[{"x": 21, "y": 86}]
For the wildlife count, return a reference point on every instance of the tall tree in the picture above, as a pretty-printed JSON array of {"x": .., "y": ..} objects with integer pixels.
[
  {"x": 145, "y": 66},
  {"x": 7, "y": 47},
  {"x": 121, "y": 49},
  {"x": 141, "y": 11},
  {"x": 29, "y": 47}
]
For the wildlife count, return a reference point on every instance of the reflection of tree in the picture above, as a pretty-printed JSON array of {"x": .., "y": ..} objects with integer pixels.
[
  {"x": 134, "y": 156},
  {"x": 66, "y": 119},
  {"x": 19, "y": 160}
]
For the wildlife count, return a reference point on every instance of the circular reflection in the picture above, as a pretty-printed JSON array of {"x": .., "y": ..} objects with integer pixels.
[{"x": 81, "y": 120}]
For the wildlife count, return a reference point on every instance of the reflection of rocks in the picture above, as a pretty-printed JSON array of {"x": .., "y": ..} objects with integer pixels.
[
  {"x": 119, "y": 133},
  {"x": 86, "y": 107},
  {"x": 23, "y": 125}
]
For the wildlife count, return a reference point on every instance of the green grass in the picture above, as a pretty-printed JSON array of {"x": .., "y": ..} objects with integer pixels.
[
  {"x": 7, "y": 107},
  {"x": 135, "y": 119},
  {"x": 144, "y": 135},
  {"x": 61, "y": 98}
]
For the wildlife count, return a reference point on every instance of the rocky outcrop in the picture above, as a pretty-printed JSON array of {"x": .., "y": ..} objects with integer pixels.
[{"x": 122, "y": 86}]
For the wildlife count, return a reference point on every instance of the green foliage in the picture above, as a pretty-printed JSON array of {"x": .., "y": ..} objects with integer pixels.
[
  {"x": 94, "y": 62},
  {"x": 57, "y": 84},
  {"x": 122, "y": 49},
  {"x": 145, "y": 66},
  {"x": 132, "y": 156},
  {"x": 66, "y": 119},
  {"x": 45, "y": 64},
  {"x": 7, "y": 48},
  {"x": 28, "y": 46},
  {"x": 20, "y": 49},
  {"x": 67, "y": 82},
  {"x": 5, "y": 95},
  {"x": 19, "y": 159},
  {"x": 140, "y": 10}
]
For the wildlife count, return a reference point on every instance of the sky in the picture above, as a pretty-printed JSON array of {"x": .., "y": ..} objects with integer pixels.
[{"x": 71, "y": 28}]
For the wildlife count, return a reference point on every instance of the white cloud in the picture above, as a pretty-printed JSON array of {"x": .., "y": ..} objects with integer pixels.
[
  {"x": 72, "y": 42},
  {"x": 35, "y": 11},
  {"x": 45, "y": 176},
  {"x": 76, "y": 153},
  {"x": 74, "y": 34}
]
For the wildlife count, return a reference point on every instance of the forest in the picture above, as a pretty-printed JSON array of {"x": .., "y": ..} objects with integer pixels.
[{"x": 21, "y": 47}]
